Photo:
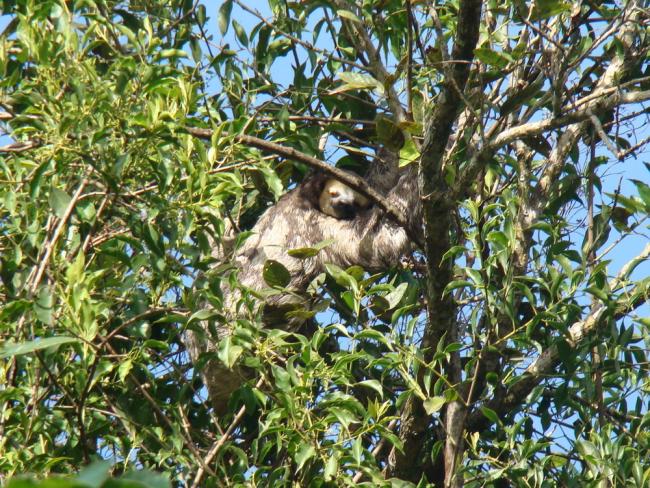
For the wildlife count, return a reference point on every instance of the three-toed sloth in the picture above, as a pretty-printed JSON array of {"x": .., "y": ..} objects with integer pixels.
[
  {"x": 332, "y": 197},
  {"x": 316, "y": 211}
]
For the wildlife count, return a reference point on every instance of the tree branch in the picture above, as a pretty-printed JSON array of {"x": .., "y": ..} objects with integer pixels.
[
  {"x": 353, "y": 181},
  {"x": 534, "y": 128},
  {"x": 55, "y": 237},
  {"x": 548, "y": 361},
  {"x": 17, "y": 147},
  {"x": 437, "y": 208}
]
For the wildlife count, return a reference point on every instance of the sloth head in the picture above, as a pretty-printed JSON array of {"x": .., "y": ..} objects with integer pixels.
[{"x": 340, "y": 201}]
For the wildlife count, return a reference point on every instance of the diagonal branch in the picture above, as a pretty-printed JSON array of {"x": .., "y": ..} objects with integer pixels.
[
  {"x": 36, "y": 280},
  {"x": 616, "y": 99},
  {"x": 17, "y": 147},
  {"x": 547, "y": 362},
  {"x": 360, "y": 38},
  {"x": 353, "y": 181}
]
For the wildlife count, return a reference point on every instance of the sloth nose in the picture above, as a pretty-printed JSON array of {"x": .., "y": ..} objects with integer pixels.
[{"x": 347, "y": 210}]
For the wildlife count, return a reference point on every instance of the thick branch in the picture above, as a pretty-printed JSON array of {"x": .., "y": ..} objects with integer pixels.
[
  {"x": 351, "y": 180},
  {"x": 534, "y": 128},
  {"x": 437, "y": 213}
]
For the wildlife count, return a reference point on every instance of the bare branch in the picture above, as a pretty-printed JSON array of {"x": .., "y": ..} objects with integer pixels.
[
  {"x": 17, "y": 147},
  {"x": 36, "y": 280},
  {"x": 603, "y": 136},
  {"x": 214, "y": 450}
]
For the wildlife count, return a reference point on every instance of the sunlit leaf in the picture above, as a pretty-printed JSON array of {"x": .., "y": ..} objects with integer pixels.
[{"x": 11, "y": 349}]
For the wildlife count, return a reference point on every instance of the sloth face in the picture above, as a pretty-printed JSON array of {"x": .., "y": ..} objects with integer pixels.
[
  {"x": 343, "y": 203},
  {"x": 340, "y": 201}
]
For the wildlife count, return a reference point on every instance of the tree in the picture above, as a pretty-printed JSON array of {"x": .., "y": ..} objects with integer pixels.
[{"x": 507, "y": 348}]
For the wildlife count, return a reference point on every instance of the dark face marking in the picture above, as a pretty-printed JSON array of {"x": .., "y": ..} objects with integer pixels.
[{"x": 345, "y": 210}]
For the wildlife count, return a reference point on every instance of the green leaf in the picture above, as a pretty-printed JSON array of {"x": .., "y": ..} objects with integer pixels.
[
  {"x": 223, "y": 19},
  {"x": 309, "y": 252},
  {"x": 275, "y": 274},
  {"x": 457, "y": 284},
  {"x": 59, "y": 201},
  {"x": 492, "y": 58},
  {"x": 545, "y": 9},
  {"x": 95, "y": 474},
  {"x": 13, "y": 349},
  {"x": 342, "y": 278},
  {"x": 10, "y": 201},
  {"x": 394, "y": 297},
  {"x": 228, "y": 352},
  {"x": 240, "y": 33},
  {"x": 124, "y": 369},
  {"x": 644, "y": 192},
  {"x": 172, "y": 53},
  {"x": 373, "y": 384},
  {"x": 433, "y": 404},
  {"x": 453, "y": 347},
  {"x": 357, "y": 450},
  {"x": 272, "y": 181},
  {"x": 374, "y": 335},
  {"x": 387, "y": 131},
  {"x": 587, "y": 449},
  {"x": 343, "y": 416},
  {"x": 86, "y": 210},
  {"x": 599, "y": 293},
  {"x": 358, "y": 81},
  {"x": 491, "y": 415},
  {"x": 153, "y": 240},
  {"x": 304, "y": 454},
  {"x": 346, "y": 14},
  {"x": 331, "y": 468},
  {"x": 43, "y": 305},
  {"x": 202, "y": 315},
  {"x": 409, "y": 153},
  {"x": 144, "y": 479},
  {"x": 75, "y": 270}
]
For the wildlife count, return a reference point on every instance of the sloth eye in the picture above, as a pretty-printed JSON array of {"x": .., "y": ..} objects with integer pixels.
[{"x": 334, "y": 193}]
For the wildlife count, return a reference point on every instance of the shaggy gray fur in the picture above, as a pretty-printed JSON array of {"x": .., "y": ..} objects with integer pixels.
[{"x": 370, "y": 240}]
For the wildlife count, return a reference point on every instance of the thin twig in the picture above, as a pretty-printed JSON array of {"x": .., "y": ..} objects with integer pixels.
[
  {"x": 216, "y": 447},
  {"x": 55, "y": 237},
  {"x": 375, "y": 452},
  {"x": 602, "y": 134}
]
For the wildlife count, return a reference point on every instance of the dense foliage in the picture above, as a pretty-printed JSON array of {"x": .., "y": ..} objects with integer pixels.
[{"x": 511, "y": 350}]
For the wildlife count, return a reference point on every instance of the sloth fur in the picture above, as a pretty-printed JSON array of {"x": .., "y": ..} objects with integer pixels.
[{"x": 369, "y": 240}]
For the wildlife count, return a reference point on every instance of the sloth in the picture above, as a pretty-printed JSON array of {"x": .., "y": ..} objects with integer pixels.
[
  {"x": 340, "y": 201},
  {"x": 319, "y": 209}
]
